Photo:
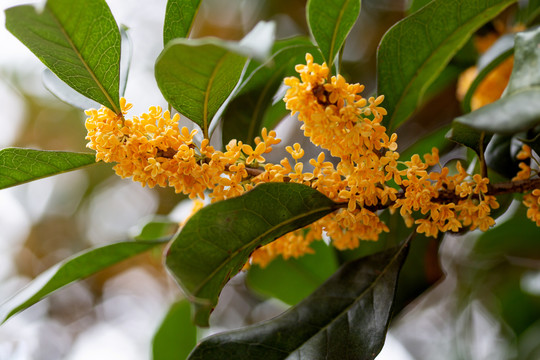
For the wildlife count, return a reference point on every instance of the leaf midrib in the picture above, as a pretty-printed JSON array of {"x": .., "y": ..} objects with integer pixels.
[
  {"x": 362, "y": 294},
  {"x": 207, "y": 93},
  {"x": 334, "y": 34},
  {"x": 83, "y": 61},
  {"x": 254, "y": 241}
]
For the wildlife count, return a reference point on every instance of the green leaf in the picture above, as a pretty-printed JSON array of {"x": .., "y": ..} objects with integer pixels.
[
  {"x": 197, "y": 76},
  {"x": 159, "y": 227},
  {"x": 417, "y": 5},
  {"x": 68, "y": 95},
  {"x": 176, "y": 336},
  {"x": 513, "y": 113},
  {"x": 244, "y": 116},
  {"x": 345, "y": 318},
  {"x": 464, "y": 135},
  {"x": 217, "y": 241},
  {"x": 414, "y": 51},
  {"x": 18, "y": 166},
  {"x": 500, "y": 157},
  {"x": 179, "y": 18},
  {"x": 330, "y": 21},
  {"x": 78, "y": 40},
  {"x": 75, "y": 268},
  {"x": 297, "y": 277},
  {"x": 518, "y": 108}
]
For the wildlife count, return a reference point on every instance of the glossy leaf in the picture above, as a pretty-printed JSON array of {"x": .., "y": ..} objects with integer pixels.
[
  {"x": 217, "y": 241},
  {"x": 18, "y": 166},
  {"x": 244, "y": 116},
  {"x": 513, "y": 113},
  {"x": 345, "y": 318},
  {"x": 518, "y": 108},
  {"x": 297, "y": 277},
  {"x": 500, "y": 157},
  {"x": 179, "y": 18},
  {"x": 78, "y": 40},
  {"x": 176, "y": 336},
  {"x": 197, "y": 76},
  {"x": 75, "y": 268},
  {"x": 414, "y": 51},
  {"x": 330, "y": 21}
]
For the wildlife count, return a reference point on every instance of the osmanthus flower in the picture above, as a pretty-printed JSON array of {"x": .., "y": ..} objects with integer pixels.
[{"x": 368, "y": 175}]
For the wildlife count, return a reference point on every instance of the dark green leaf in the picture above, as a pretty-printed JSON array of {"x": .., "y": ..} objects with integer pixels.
[
  {"x": 244, "y": 116},
  {"x": 413, "y": 52},
  {"x": 533, "y": 139},
  {"x": 501, "y": 50},
  {"x": 345, "y": 318},
  {"x": 75, "y": 268},
  {"x": 297, "y": 277},
  {"x": 176, "y": 336},
  {"x": 78, "y": 40},
  {"x": 515, "y": 112},
  {"x": 179, "y": 18},
  {"x": 18, "y": 166},
  {"x": 500, "y": 157},
  {"x": 468, "y": 137},
  {"x": 330, "y": 21},
  {"x": 217, "y": 241}
]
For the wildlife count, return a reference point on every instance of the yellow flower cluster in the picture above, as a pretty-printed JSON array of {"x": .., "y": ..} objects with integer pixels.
[
  {"x": 154, "y": 151},
  {"x": 366, "y": 176},
  {"x": 532, "y": 199}
]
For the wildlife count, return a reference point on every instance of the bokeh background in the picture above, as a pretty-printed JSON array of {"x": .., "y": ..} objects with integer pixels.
[{"x": 480, "y": 301}]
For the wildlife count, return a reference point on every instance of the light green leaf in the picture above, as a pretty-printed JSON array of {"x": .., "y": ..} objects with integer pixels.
[
  {"x": 330, "y": 21},
  {"x": 18, "y": 166},
  {"x": 197, "y": 76},
  {"x": 345, "y": 318},
  {"x": 297, "y": 277},
  {"x": 414, "y": 51},
  {"x": 75, "y": 268},
  {"x": 217, "y": 241},
  {"x": 78, "y": 40},
  {"x": 176, "y": 336},
  {"x": 179, "y": 18}
]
